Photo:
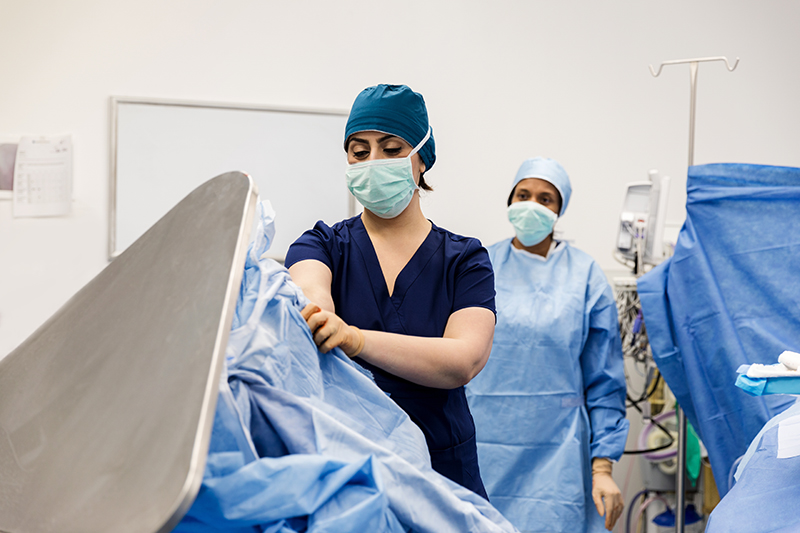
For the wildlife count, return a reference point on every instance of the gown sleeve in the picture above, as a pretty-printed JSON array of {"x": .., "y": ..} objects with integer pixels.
[
  {"x": 603, "y": 372},
  {"x": 317, "y": 243}
]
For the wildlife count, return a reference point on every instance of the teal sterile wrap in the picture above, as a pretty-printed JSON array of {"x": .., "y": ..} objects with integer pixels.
[
  {"x": 773, "y": 385},
  {"x": 753, "y": 386}
]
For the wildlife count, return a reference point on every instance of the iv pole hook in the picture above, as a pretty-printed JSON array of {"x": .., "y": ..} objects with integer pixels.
[
  {"x": 698, "y": 60},
  {"x": 693, "y": 80}
]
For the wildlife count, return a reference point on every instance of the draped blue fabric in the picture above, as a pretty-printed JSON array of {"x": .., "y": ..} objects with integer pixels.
[
  {"x": 766, "y": 485},
  {"x": 730, "y": 295},
  {"x": 304, "y": 441}
]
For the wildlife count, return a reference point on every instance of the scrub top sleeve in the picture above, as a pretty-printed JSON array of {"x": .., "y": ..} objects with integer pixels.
[
  {"x": 474, "y": 279},
  {"x": 316, "y": 243},
  {"x": 603, "y": 373}
]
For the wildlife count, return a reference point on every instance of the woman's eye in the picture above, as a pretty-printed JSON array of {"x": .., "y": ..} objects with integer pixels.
[
  {"x": 392, "y": 151},
  {"x": 361, "y": 154}
]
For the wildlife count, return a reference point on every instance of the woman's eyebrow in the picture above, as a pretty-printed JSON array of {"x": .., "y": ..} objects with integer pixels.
[
  {"x": 364, "y": 141},
  {"x": 357, "y": 140}
]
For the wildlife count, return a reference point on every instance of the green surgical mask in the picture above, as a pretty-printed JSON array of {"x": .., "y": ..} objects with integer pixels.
[
  {"x": 384, "y": 186},
  {"x": 532, "y": 221}
]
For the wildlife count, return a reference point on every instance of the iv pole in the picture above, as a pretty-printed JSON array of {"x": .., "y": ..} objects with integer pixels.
[{"x": 680, "y": 489}]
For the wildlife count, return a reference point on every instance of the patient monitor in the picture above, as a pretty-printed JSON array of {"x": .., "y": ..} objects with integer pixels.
[{"x": 640, "y": 237}]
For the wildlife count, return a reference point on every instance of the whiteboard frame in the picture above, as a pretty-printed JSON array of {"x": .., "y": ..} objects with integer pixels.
[
  {"x": 9, "y": 139},
  {"x": 116, "y": 101}
]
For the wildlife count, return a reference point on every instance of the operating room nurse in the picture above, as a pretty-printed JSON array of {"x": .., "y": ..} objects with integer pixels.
[
  {"x": 410, "y": 301},
  {"x": 549, "y": 406}
]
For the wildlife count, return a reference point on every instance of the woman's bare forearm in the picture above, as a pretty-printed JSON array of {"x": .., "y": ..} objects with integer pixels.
[{"x": 441, "y": 362}]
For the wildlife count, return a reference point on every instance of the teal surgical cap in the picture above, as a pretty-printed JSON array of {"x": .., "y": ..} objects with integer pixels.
[
  {"x": 394, "y": 109},
  {"x": 550, "y": 171}
]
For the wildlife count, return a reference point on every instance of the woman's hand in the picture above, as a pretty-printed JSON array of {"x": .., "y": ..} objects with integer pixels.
[
  {"x": 606, "y": 494},
  {"x": 330, "y": 331}
]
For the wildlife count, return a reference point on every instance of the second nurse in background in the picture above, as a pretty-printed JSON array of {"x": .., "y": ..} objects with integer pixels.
[{"x": 549, "y": 406}]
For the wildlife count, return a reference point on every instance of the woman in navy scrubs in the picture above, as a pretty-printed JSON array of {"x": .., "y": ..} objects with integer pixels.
[{"x": 411, "y": 302}]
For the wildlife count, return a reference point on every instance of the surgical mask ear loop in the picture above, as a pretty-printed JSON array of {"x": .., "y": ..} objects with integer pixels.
[{"x": 416, "y": 149}]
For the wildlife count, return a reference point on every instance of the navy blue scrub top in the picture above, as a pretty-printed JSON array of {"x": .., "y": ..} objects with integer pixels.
[{"x": 447, "y": 273}]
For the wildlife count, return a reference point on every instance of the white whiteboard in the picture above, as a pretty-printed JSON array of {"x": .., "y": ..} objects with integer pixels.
[{"x": 162, "y": 150}]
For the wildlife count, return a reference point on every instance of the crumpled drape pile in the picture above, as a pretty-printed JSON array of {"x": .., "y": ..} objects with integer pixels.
[{"x": 304, "y": 441}]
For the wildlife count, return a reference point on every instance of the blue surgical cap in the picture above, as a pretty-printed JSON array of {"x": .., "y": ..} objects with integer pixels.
[
  {"x": 550, "y": 171},
  {"x": 394, "y": 109}
]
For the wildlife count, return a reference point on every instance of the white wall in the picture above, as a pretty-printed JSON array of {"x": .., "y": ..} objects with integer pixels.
[{"x": 504, "y": 80}]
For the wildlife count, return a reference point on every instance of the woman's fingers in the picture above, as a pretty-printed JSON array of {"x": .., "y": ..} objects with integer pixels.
[
  {"x": 325, "y": 328},
  {"x": 316, "y": 319},
  {"x": 333, "y": 340},
  {"x": 616, "y": 511},
  {"x": 309, "y": 310},
  {"x": 328, "y": 330},
  {"x": 598, "y": 502},
  {"x": 324, "y": 335},
  {"x": 611, "y": 519}
]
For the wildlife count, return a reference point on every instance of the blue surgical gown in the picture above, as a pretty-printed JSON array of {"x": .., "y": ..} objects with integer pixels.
[
  {"x": 552, "y": 395},
  {"x": 447, "y": 273}
]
